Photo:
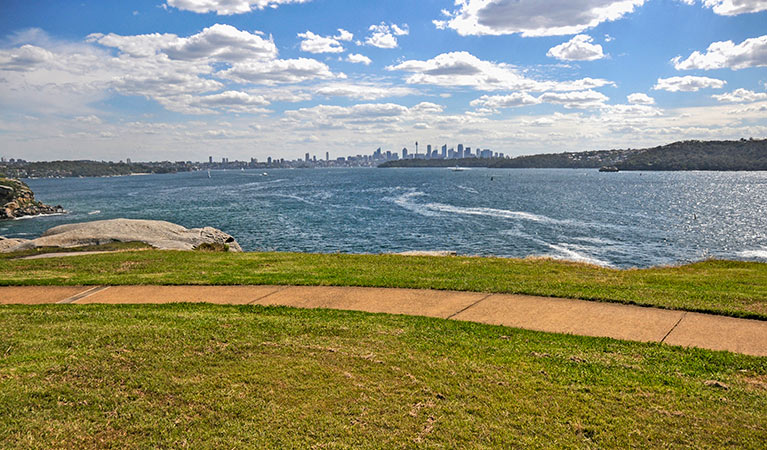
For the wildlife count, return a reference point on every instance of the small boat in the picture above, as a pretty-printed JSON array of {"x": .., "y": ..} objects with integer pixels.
[
  {"x": 208, "y": 173},
  {"x": 609, "y": 169},
  {"x": 457, "y": 169}
]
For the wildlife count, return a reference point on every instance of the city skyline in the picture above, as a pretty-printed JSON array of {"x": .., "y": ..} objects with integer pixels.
[{"x": 178, "y": 79}]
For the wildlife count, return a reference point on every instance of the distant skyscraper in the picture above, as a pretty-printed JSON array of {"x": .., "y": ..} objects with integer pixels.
[
  {"x": 210, "y": 159},
  {"x": 428, "y": 151},
  {"x": 404, "y": 153},
  {"x": 306, "y": 157},
  {"x": 327, "y": 156},
  {"x": 444, "y": 151},
  {"x": 269, "y": 160},
  {"x": 460, "y": 150}
]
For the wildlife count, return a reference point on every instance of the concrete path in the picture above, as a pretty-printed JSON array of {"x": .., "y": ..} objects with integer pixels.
[{"x": 555, "y": 315}]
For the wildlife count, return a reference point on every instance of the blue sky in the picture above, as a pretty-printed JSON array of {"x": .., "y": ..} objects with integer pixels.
[{"x": 184, "y": 79}]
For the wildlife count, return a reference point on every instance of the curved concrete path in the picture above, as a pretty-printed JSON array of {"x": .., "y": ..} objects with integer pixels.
[{"x": 555, "y": 315}]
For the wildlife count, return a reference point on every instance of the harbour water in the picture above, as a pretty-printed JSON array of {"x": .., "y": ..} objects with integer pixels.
[{"x": 627, "y": 219}]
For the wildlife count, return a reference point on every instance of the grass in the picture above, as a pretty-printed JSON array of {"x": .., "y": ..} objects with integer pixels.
[
  {"x": 731, "y": 288},
  {"x": 205, "y": 376}
]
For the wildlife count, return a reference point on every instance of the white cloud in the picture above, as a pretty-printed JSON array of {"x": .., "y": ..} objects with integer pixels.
[
  {"x": 191, "y": 75},
  {"x": 344, "y": 35},
  {"x": 735, "y": 7},
  {"x": 462, "y": 69},
  {"x": 514, "y": 100},
  {"x": 358, "y": 59},
  {"x": 579, "y": 48},
  {"x": 228, "y": 7},
  {"x": 363, "y": 91},
  {"x": 24, "y": 58},
  {"x": 639, "y": 98},
  {"x": 218, "y": 42},
  {"x": 687, "y": 84},
  {"x": 571, "y": 100},
  {"x": 577, "y": 99},
  {"x": 533, "y": 17},
  {"x": 740, "y": 96},
  {"x": 314, "y": 43},
  {"x": 385, "y": 36},
  {"x": 278, "y": 71},
  {"x": 726, "y": 54}
]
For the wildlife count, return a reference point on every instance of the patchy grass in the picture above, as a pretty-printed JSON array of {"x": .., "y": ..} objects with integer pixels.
[
  {"x": 205, "y": 376},
  {"x": 722, "y": 287}
]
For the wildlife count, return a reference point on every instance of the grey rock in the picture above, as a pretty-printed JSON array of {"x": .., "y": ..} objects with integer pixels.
[
  {"x": 8, "y": 243},
  {"x": 159, "y": 234}
]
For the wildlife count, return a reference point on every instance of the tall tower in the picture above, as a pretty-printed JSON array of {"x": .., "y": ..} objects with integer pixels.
[{"x": 416, "y": 148}]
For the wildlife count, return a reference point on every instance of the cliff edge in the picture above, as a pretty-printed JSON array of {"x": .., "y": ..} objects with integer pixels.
[{"x": 17, "y": 200}]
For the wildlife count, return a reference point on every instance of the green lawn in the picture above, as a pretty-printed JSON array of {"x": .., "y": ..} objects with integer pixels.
[
  {"x": 205, "y": 376},
  {"x": 722, "y": 287}
]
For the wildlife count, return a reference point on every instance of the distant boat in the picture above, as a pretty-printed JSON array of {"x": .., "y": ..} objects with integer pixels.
[
  {"x": 208, "y": 173},
  {"x": 457, "y": 169},
  {"x": 242, "y": 169},
  {"x": 609, "y": 169}
]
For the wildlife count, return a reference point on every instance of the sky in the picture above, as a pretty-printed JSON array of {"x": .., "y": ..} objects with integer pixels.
[{"x": 176, "y": 80}]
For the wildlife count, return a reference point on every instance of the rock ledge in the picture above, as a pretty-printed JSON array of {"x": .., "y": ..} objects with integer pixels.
[{"x": 159, "y": 234}]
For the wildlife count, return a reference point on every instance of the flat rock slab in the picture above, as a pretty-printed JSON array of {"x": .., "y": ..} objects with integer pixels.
[
  {"x": 38, "y": 295},
  {"x": 64, "y": 254},
  {"x": 220, "y": 295},
  {"x": 721, "y": 333},
  {"x": 574, "y": 317},
  {"x": 412, "y": 302}
]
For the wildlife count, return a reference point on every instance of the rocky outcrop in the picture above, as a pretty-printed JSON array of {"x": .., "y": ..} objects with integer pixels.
[
  {"x": 17, "y": 200},
  {"x": 159, "y": 234},
  {"x": 7, "y": 244}
]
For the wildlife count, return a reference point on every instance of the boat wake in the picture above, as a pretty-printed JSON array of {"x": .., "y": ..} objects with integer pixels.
[{"x": 433, "y": 209}]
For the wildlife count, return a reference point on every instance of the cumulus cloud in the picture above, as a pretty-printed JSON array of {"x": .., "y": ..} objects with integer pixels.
[
  {"x": 462, "y": 69},
  {"x": 579, "y": 48},
  {"x": 363, "y": 91},
  {"x": 228, "y": 7},
  {"x": 740, "y": 96},
  {"x": 514, "y": 100},
  {"x": 358, "y": 59},
  {"x": 687, "y": 84},
  {"x": 533, "y": 17},
  {"x": 24, "y": 58},
  {"x": 570, "y": 100},
  {"x": 735, "y": 7},
  {"x": 726, "y": 54},
  {"x": 639, "y": 98},
  {"x": 314, "y": 43},
  {"x": 218, "y": 42},
  {"x": 191, "y": 75},
  {"x": 385, "y": 36},
  {"x": 278, "y": 71},
  {"x": 576, "y": 99}
]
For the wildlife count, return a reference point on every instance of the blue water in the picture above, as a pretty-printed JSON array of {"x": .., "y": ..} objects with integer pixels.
[{"x": 622, "y": 220}]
